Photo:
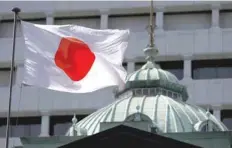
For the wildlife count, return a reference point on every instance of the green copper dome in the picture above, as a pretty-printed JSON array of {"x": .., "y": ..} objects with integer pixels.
[
  {"x": 167, "y": 114},
  {"x": 150, "y": 76},
  {"x": 151, "y": 71}
]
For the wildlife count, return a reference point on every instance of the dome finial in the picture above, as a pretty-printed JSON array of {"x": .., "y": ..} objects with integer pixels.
[
  {"x": 137, "y": 116},
  {"x": 151, "y": 51},
  {"x": 73, "y": 131},
  {"x": 74, "y": 119},
  {"x": 137, "y": 108}
]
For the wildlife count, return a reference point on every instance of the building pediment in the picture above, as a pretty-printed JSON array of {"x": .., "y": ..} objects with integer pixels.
[{"x": 124, "y": 136}]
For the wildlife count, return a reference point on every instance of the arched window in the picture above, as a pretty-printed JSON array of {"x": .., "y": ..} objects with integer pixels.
[
  {"x": 138, "y": 117},
  {"x": 206, "y": 126}
]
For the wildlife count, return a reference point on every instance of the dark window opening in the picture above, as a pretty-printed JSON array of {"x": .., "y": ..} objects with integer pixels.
[
  {"x": 131, "y": 15},
  {"x": 77, "y": 17},
  {"x": 21, "y": 126},
  {"x": 174, "y": 67},
  {"x": 6, "y": 68},
  {"x": 138, "y": 65},
  {"x": 207, "y": 109},
  {"x": 25, "y": 19},
  {"x": 212, "y": 69},
  {"x": 5, "y": 76},
  {"x": 187, "y": 12},
  {"x": 211, "y": 111},
  {"x": 226, "y": 118},
  {"x": 87, "y": 21},
  {"x": 59, "y": 125}
]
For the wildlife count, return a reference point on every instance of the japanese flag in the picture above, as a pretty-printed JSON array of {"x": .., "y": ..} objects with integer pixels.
[{"x": 71, "y": 58}]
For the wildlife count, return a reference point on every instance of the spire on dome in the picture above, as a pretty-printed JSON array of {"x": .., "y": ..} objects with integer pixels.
[
  {"x": 73, "y": 131},
  {"x": 74, "y": 119},
  {"x": 151, "y": 51},
  {"x": 151, "y": 25}
]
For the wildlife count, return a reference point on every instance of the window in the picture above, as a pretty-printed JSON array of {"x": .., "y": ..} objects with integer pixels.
[
  {"x": 152, "y": 91},
  {"x": 225, "y": 19},
  {"x": 36, "y": 21},
  {"x": 21, "y": 126},
  {"x": 209, "y": 126},
  {"x": 211, "y": 111},
  {"x": 174, "y": 67},
  {"x": 6, "y": 27},
  {"x": 175, "y": 95},
  {"x": 134, "y": 22},
  {"x": 226, "y": 117},
  {"x": 212, "y": 69},
  {"x": 138, "y": 65},
  {"x": 91, "y": 22},
  {"x": 5, "y": 76},
  {"x": 59, "y": 125},
  {"x": 187, "y": 20},
  {"x": 145, "y": 91},
  {"x": 207, "y": 109}
]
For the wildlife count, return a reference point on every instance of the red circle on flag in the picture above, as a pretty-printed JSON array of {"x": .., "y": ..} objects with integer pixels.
[{"x": 74, "y": 57}]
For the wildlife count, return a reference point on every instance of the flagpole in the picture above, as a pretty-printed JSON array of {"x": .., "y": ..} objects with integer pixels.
[{"x": 16, "y": 11}]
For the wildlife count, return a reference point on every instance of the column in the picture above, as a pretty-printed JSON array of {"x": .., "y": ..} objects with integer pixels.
[
  {"x": 215, "y": 15},
  {"x": 217, "y": 114},
  {"x": 130, "y": 67},
  {"x": 187, "y": 69},
  {"x": 159, "y": 18},
  {"x": 1, "y": 34},
  {"x": 18, "y": 75},
  {"x": 104, "y": 18},
  {"x": 215, "y": 34},
  {"x": 49, "y": 18},
  {"x": 45, "y": 124}
]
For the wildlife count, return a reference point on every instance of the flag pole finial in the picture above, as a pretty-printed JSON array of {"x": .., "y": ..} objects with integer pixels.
[
  {"x": 151, "y": 51},
  {"x": 16, "y": 10}
]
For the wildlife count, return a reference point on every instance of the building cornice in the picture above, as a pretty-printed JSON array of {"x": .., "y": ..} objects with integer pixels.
[{"x": 119, "y": 7}]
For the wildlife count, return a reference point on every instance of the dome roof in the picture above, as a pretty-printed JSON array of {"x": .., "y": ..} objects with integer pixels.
[
  {"x": 167, "y": 114},
  {"x": 150, "y": 72},
  {"x": 150, "y": 76}
]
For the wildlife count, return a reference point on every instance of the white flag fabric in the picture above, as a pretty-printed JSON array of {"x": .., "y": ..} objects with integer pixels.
[{"x": 75, "y": 59}]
